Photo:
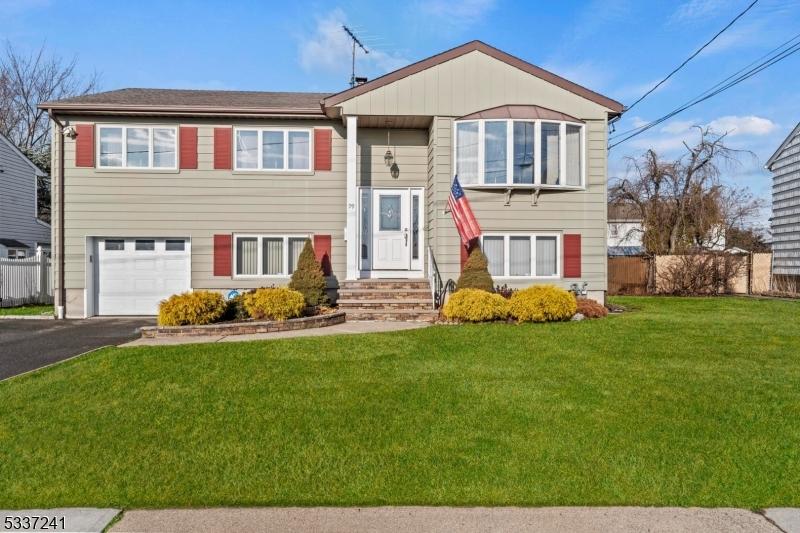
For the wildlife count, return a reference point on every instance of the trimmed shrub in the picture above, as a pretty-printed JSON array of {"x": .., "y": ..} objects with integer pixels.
[
  {"x": 475, "y": 305},
  {"x": 308, "y": 278},
  {"x": 274, "y": 304},
  {"x": 236, "y": 310},
  {"x": 191, "y": 308},
  {"x": 542, "y": 303},
  {"x": 476, "y": 273},
  {"x": 591, "y": 309}
]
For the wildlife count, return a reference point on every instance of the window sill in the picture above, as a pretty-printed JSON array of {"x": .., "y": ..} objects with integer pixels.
[
  {"x": 523, "y": 186},
  {"x": 276, "y": 173},
  {"x": 527, "y": 278},
  {"x": 137, "y": 170}
]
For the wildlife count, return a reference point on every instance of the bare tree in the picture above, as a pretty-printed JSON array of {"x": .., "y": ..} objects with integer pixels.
[
  {"x": 25, "y": 82},
  {"x": 683, "y": 203}
]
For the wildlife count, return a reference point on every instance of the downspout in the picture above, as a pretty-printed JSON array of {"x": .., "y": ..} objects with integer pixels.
[{"x": 62, "y": 291}]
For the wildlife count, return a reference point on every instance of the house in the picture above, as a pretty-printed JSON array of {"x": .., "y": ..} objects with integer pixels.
[
  {"x": 21, "y": 230},
  {"x": 625, "y": 230},
  {"x": 785, "y": 167},
  {"x": 164, "y": 191}
]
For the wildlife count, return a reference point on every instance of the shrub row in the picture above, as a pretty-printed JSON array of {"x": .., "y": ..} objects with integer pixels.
[{"x": 206, "y": 307}]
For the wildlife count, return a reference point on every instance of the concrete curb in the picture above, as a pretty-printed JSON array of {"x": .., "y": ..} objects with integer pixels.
[{"x": 27, "y": 317}]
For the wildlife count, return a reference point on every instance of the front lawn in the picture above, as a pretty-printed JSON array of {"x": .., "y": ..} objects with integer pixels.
[
  {"x": 27, "y": 310},
  {"x": 680, "y": 402}
]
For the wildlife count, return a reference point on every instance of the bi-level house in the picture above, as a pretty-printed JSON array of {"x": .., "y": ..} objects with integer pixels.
[{"x": 162, "y": 191}]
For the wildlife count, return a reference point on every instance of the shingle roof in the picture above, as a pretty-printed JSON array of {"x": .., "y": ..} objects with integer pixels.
[
  {"x": 184, "y": 99},
  {"x": 628, "y": 212}
]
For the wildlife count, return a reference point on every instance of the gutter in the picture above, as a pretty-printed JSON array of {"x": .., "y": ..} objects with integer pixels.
[
  {"x": 117, "y": 109},
  {"x": 60, "y": 248}
]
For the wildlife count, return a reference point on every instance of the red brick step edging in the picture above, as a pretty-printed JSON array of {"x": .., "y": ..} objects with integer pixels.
[{"x": 243, "y": 328}]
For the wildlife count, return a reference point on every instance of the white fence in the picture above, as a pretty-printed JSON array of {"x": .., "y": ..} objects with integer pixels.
[{"x": 26, "y": 281}]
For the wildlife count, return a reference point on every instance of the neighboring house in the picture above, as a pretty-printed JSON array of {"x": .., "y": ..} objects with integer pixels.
[
  {"x": 785, "y": 167},
  {"x": 171, "y": 190},
  {"x": 21, "y": 231},
  {"x": 625, "y": 231}
]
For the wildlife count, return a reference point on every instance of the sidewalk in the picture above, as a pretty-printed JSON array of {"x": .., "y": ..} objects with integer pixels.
[
  {"x": 339, "y": 329},
  {"x": 464, "y": 520}
]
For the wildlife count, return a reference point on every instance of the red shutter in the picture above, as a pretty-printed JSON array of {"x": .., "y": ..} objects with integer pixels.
[
  {"x": 223, "y": 248},
  {"x": 572, "y": 256},
  {"x": 464, "y": 255},
  {"x": 188, "y": 147},
  {"x": 222, "y": 148},
  {"x": 84, "y": 145},
  {"x": 322, "y": 149},
  {"x": 322, "y": 249}
]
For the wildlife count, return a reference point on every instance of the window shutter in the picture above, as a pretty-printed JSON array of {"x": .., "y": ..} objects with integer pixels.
[
  {"x": 465, "y": 250},
  {"x": 84, "y": 145},
  {"x": 572, "y": 256},
  {"x": 322, "y": 149},
  {"x": 188, "y": 149},
  {"x": 322, "y": 250},
  {"x": 223, "y": 248},
  {"x": 223, "y": 157}
]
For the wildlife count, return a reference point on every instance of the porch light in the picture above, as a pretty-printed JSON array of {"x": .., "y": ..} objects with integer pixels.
[
  {"x": 388, "y": 158},
  {"x": 394, "y": 171}
]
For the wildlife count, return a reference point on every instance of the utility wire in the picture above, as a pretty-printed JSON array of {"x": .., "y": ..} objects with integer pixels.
[
  {"x": 706, "y": 95},
  {"x": 720, "y": 32}
]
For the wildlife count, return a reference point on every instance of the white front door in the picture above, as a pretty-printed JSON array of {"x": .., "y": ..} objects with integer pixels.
[{"x": 391, "y": 229}]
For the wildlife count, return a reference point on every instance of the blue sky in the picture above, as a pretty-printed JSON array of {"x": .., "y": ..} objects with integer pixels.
[{"x": 616, "y": 47}]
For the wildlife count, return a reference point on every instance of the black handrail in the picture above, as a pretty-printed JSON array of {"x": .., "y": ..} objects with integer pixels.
[{"x": 439, "y": 288}]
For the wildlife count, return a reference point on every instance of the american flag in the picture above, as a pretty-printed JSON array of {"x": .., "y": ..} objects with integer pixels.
[{"x": 466, "y": 223}]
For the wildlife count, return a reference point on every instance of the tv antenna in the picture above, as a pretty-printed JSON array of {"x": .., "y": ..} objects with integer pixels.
[{"x": 356, "y": 41}]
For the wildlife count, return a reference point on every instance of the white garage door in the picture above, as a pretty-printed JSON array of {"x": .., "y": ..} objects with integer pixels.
[{"x": 133, "y": 275}]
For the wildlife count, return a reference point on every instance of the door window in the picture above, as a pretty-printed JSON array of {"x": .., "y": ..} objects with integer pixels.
[{"x": 390, "y": 212}]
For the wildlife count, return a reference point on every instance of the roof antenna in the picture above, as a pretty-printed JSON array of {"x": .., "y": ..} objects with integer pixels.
[{"x": 355, "y": 42}]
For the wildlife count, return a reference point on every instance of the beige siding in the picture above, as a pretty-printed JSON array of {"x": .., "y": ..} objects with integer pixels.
[
  {"x": 469, "y": 83},
  {"x": 410, "y": 151}
]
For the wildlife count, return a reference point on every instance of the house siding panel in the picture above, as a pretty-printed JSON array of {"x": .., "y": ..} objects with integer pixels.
[{"x": 785, "y": 168}]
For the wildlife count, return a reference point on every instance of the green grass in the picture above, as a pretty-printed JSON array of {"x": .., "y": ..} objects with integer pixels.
[
  {"x": 25, "y": 310},
  {"x": 679, "y": 402}
]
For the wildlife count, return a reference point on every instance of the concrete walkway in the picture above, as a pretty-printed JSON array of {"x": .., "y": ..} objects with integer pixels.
[
  {"x": 339, "y": 329},
  {"x": 445, "y": 519}
]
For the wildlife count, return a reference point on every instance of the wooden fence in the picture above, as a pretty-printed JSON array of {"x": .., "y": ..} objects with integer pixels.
[
  {"x": 628, "y": 275},
  {"x": 26, "y": 281}
]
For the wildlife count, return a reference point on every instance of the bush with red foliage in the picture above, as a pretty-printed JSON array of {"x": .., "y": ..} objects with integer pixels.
[{"x": 591, "y": 309}]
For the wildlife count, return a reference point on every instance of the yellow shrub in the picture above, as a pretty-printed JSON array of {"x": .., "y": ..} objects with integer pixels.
[
  {"x": 274, "y": 303},
  {"x": 191, "y": 308},
  {"x": 542, "y": 303},
  {"x": 475, "y": 305}
]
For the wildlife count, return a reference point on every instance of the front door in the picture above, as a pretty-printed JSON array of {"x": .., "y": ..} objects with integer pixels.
[{"x": 391, "y": 229}]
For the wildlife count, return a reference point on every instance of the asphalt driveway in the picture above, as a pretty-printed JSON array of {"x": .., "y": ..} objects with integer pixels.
[{"x": 30, "y": 344}]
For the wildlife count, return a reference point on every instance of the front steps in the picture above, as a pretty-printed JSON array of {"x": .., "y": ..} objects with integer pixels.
[{"x": 387, "y": 299}]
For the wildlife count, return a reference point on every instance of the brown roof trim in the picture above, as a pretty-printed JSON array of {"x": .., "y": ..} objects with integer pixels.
[
  {"x": 472, "y": 46},
  {"x": 179, "y": 110},
  {"x": 521, "y": 111}
]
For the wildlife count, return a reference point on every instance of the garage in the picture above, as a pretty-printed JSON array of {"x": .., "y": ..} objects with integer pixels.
[{"x": 132, "y": 275}]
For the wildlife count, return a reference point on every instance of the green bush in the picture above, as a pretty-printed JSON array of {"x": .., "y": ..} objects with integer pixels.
[
  {"x": 542, "y": 303},
  {"x": 308, "y": 278},
  {"x": 476, "y": 272},
  {"x": 236, "y": 310},
  {"x": 191, "y": 308},
  {"x": 591, "y": 309},
  {"x": 475, "y": 305},
  {"x": 274, "y": 304}
]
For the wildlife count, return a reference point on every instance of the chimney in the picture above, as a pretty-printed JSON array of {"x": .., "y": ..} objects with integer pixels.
[{"x": 361, "y": 81}]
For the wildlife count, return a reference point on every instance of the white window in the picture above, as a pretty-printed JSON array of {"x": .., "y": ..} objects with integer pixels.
[
  {"x": 267, "y": 255},
  {"x": 145, "y": 147},
  {"x": 17, "y": 253},
  {"x": 507, "y": 153},
  {"x": 518, "y": 255},
  {"x": 273, "y": 150}
]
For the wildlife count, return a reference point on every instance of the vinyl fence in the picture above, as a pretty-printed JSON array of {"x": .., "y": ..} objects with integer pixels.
[{"x": 26, "y": 281}]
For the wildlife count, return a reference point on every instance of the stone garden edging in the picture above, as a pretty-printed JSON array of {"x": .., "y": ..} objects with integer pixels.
[{"x": 244, "y": 328}]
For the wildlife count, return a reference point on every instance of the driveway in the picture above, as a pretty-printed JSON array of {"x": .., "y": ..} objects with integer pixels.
[{"x": 30, "y": 344}]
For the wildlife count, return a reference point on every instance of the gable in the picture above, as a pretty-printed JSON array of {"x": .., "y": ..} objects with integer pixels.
[
  {"x": 782, "y": 147},
  {"x": 466, "y": 80}
]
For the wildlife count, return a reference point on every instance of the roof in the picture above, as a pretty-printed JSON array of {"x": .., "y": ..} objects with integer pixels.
[
  {"x": 777, "y": 154},
  {"x": 15, "y": 148},
  {"x": 194, "y": 102},
  {"x": 11, "y": 243},
  {"x": 473, "y": 46},
  {"x": 520, "y": 111},
  {"x": 623, "y": 212},
  {"x": 625, "y": 251}
]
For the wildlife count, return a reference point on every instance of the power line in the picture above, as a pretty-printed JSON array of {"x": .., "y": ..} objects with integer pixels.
[
  {"x": 776, "y": 58},
  {"x": 720, "y": 32}
]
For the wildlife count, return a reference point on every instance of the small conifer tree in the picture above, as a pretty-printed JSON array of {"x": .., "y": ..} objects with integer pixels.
[
  {"x": 308, "y": 277},
  {"x": 476, "y": 272}
]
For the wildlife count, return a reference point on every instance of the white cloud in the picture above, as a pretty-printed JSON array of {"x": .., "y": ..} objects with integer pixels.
[
  {"x": 330, "y": 49},
  {"x": 749, "y": 125},
  {"x": 680, "y": 126},
  {"x": 697, "y": 9},
  {"x": 456, "y": 13},
  {"x": 584, "y": 73}
]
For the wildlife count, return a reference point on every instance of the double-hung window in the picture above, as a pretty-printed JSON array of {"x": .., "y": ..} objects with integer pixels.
[
  {"x": 137, "y": 147},
  {"x": 273, "y": 149},
  {"x": 518, "y": 255},
  {"x": 519, "y": 152},
  {"x": 267, "y": 255}
]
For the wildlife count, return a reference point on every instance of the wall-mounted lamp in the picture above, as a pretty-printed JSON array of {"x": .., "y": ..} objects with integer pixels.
[
  {"x": 388, "y": 158},
  {"x": 70, "y": 132},
  {"x": 394, "y": 171}
]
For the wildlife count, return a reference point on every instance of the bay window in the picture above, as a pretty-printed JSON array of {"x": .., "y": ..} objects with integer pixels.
[
  {"x": 139, "y": 147},
  {"x": 267, "y": 255},
  {"x": 519, "y": 152},
  {"x": 273, "y": 149},
  {"x": 517, "y": 255}
]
